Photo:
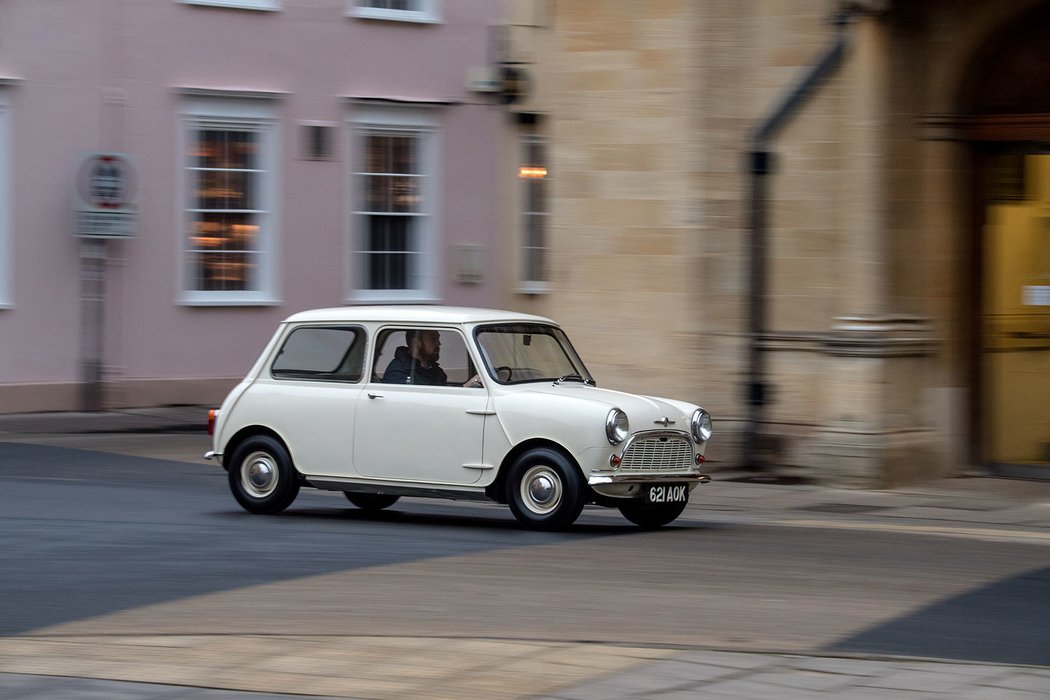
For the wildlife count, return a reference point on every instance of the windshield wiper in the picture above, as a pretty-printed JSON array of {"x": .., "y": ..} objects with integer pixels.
[{"x": 575, "y": 377}]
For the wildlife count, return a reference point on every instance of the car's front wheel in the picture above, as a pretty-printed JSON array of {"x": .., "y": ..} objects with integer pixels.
[
  {"x": 262, "y": 477},
  {"x": 545, "y": 490},
  {"x": 651, "y": 516},
  {"x": 371, "y": 501}
]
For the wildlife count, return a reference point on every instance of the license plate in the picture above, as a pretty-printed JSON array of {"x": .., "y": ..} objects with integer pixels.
[{"x": 667, "y": 493}]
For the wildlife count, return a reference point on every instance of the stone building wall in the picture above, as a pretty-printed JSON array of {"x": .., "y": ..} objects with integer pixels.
[{"x": 870, "y": 215}]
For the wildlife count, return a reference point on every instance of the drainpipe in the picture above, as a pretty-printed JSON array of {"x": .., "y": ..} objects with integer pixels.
[{"x": 761, "y": 166}]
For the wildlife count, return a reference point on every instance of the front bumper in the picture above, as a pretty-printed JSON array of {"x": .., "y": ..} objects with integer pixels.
[{"x": 616, "y": 485}]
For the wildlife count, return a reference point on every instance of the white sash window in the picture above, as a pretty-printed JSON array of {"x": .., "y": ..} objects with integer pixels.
[
  {"x": 394, "y": 226},
  {"x": 229, "y": 202}
]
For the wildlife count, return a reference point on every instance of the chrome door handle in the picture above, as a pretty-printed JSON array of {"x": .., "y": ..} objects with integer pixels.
[{"x": 375, "y": 396}]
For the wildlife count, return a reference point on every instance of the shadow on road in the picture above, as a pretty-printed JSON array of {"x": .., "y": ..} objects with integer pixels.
[{"x": 1005, "y": 622}]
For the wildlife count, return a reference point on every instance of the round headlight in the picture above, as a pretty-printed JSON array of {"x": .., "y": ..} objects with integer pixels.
[
  {"x": 701, "y": 425},
  {"x": 616, "y": 427}
]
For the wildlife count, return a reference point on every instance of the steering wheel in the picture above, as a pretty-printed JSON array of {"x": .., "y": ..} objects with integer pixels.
[{"x": 499, "y": 373}]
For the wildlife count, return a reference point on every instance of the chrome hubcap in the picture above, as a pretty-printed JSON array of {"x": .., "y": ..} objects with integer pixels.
[
  {"x": 259, "y": 474},
  {"x": 541, "y": 489}
]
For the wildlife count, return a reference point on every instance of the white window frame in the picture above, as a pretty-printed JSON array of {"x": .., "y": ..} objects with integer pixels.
[
  {"x": 429, "y": 12},
  {"x": 6, "y": 266},
  {"x": 421, "y": 122},
  {"x": 524, "y": 214},
  {"x": 264, "y": 5},
  {"x": 232, "y": 112}
]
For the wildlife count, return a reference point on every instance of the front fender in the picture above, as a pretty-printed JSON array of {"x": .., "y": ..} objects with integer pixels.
[{"x": 576, "y": 424}]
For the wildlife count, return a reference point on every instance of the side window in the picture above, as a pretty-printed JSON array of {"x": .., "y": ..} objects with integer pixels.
[
  {"x": 427, "y": 356},
  {"x": 323, "y": 354}
]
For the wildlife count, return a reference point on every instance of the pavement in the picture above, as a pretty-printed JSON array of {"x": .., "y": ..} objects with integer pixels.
[
  {"x": 163, "y": 419},
  {"x": 52, "y": 665}
]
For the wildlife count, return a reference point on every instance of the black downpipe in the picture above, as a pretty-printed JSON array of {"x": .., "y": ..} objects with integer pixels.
[{"x": 761, "y": 165}]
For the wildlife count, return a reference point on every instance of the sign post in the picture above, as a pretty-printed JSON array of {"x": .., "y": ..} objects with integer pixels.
[{"x": 104, "y": 207}]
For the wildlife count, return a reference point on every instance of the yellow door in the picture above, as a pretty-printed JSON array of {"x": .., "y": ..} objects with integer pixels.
[{"x": 1016, "y": 294}]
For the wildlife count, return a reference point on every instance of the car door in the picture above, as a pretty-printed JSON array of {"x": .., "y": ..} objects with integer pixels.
[{"x": 421, "y": 432}]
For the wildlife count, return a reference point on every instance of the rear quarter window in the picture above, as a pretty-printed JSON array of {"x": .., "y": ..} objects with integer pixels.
[{"x": 321, "y": 354}]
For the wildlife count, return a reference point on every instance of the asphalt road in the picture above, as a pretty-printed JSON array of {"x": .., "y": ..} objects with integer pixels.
[{"x": 105, "y": 543}]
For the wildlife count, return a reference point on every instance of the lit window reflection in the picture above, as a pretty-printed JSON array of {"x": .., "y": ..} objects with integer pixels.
[
  {"x": 533, "y": 175},
  {"x": 223, "y": 215}
]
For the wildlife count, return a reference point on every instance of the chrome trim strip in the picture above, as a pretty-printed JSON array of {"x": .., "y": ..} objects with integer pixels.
[
  {"x": 598, "y": 478},
  {"x": 330, "y": 483}
]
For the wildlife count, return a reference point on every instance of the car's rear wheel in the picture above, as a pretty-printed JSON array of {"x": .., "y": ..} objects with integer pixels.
[
  {"x": 651, "y": 516},
  {"x": 371, "y": 501},
  {"x": 262, "y": 477},
  {"x": 545, "y": 490}
]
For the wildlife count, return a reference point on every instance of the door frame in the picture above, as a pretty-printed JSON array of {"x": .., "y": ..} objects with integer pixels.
[{"x": 986, "y": 136}]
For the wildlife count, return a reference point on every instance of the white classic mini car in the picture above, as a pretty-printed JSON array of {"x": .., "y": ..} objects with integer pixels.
[{"x": 383, "y": 402}]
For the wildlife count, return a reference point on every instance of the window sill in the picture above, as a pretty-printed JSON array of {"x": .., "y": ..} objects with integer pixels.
[
  {"x": 405, "y": 16},
  {"x": 412, "y": 296},
  {"x": 534, "y": 288},
  {"x": 256, "y": 5},
  {"x": 190, "y": 299}
]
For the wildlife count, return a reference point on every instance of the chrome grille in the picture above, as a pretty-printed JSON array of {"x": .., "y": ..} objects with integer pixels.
[{"x": 658, "y": 453}]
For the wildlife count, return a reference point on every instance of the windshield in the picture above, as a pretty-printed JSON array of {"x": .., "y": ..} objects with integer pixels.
[{"x": 529, "y": 352}]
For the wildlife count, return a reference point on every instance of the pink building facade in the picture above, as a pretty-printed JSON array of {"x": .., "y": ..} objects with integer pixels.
[{"x": 276, "y": 155}]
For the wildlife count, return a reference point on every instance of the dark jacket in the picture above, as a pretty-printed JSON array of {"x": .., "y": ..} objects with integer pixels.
[{"x": 405, "y": 369}]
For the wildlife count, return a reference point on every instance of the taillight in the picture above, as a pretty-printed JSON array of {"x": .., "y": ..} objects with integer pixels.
[{"x": 212, "y": 415}]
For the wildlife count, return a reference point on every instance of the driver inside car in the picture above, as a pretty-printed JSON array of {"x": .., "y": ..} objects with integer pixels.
[{"x": 417, "y": 361}]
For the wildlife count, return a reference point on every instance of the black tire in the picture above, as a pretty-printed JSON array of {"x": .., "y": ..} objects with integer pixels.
[
  {"x": 651, "y": 517},
  {"x": 262, "y": 477},
  {"x": 371, "y": 502},
  {"x": 545, "y": 490}
]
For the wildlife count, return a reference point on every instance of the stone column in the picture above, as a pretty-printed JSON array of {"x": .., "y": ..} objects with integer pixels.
[
  {"x": 873, "y": 430},
  {"x": 866, "y": 126}
]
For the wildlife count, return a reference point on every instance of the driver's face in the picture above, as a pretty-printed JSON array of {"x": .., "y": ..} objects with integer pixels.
[{"x": 429, "y": 346}]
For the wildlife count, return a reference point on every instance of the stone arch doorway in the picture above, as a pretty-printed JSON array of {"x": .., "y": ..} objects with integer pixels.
[{"x": 1005, "y": 118}]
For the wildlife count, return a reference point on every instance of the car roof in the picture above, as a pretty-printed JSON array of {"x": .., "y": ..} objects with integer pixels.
[{"x": 413, "y": 314}]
